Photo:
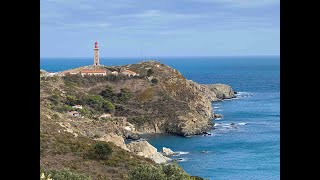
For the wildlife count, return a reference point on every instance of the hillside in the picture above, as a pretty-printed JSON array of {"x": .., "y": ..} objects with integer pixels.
[{"x": 159, "y": 100}]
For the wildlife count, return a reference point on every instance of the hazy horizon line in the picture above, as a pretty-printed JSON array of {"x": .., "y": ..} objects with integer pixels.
[{"x": 277, "y": 55}]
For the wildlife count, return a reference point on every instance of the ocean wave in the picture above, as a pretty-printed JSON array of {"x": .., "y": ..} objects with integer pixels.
[
  {"x": 217, "y": 119},
  {"x": 242, "y": 124},
  {"x": 216, "y": 107},
  {"x": 181, "y": 159},
  {"x": 227, "y": 125},
  {"x": 178, "y": 153},
  {"x": 243, "y": 94}
]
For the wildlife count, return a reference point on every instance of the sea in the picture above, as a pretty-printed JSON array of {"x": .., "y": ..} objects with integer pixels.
[{"x": 245, "y": 143}]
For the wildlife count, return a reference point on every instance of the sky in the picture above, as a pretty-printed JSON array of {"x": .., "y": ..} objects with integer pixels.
[{"x": 131, "y": 28}]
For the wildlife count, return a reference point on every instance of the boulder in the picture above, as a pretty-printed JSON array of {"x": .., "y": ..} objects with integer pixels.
[
  {"x": 116, "y": 139},
  {"x": 145, "y": 149},
  {"x": 217, "y": 116},
  {"x": 167, "y": 151},
  {"x": 131, "y": 135}
]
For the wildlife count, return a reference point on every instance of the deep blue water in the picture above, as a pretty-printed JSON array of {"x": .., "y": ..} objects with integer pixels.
[{"x": 248, "y": 150}]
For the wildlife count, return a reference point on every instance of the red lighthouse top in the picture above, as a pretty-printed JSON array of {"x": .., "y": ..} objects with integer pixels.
[{"x": 96, "y": 44}]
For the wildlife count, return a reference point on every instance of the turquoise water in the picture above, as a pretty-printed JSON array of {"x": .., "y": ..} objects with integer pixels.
[{"x": 249, "y": 149}]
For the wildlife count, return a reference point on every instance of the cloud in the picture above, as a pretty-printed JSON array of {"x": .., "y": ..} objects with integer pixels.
[
  {"x": 163, "y": 17},
  {"x": 241, "y": 3}
]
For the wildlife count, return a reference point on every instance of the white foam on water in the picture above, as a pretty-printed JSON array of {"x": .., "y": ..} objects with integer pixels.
[
  {"x": 228, "y": 99},
  {"x": 182, "y": 159},
  {"x": 242, "y": 124},
  {"x": 180, "y": 153}
]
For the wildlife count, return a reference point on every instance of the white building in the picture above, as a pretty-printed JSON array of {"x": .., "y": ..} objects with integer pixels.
[
  {"x": 129, "y": 73},
  {"x": 114, "y": 73}
]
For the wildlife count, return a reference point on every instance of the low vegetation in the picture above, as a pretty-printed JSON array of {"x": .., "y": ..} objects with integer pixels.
[
  {"x": 161, "y": 172},
  {"x": 102, "y": 150},
  {"x": 62, "y": 175}
]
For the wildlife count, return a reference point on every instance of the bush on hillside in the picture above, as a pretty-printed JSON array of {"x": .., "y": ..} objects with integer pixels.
[
  {"x": 147, "y": 172},
  {"x": 102, "y": 150},
  {"x": 107, "y": 93},
  {"x": 124, "y": 94},
  {"x": 174, "y": 172},
  {"x": 161, "y": 172}
]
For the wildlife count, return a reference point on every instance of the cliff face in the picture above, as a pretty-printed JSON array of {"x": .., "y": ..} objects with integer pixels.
[
  {"x": 222, "y": 91},
  {"x": 177, "y": 105}
]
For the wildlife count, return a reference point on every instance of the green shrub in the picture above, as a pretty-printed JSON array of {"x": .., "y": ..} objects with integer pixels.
[
  {"x": 196, "y": 178},
  {"x": 146, "y": 172},
  {"x": 55, "y": 99},
  {"x": 71, "y": 100},
  {"x": 108, "y": 106},
  {"x": 174, "y": 172},
  {"x": 139, "y": 120},
  {"x": 102, "y": 150},
  {"x": 124, "y": 94},
  {"x": 62, "y": 108},
  {"x": 107, "y": 93},
  {"x": 160, "y": 172}
]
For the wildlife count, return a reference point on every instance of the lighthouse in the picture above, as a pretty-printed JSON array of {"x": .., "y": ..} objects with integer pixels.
[{"x": 96, "y": 55}]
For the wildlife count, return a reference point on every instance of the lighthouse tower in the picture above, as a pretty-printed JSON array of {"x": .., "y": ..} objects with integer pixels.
[{"x": 96, "y": 55}]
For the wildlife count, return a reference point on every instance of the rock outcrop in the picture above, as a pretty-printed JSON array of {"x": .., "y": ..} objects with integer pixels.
[
  {"x": 116, "y": 139},
  {"x": 222, "y": 91},
  {"x": 143, "y": 148},
  {"x": 217, "y": 116},
  {"x": 167, "y": 151}
]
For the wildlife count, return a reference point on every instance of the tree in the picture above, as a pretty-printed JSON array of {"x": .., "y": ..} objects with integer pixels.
[{"x": 102, "y": 150}]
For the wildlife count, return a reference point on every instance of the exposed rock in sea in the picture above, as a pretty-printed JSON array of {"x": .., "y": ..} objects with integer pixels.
[
  {"x": 167, "y": 151},
  {"x": 217, "y": 116},
  {"x": 143, "y": 148}
]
